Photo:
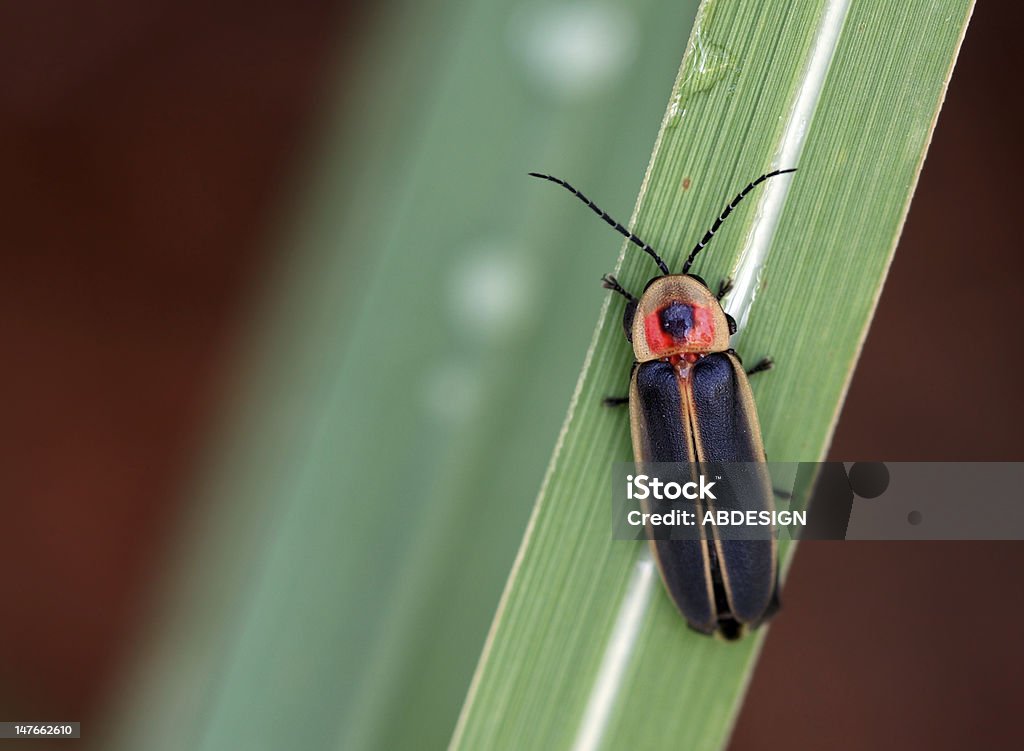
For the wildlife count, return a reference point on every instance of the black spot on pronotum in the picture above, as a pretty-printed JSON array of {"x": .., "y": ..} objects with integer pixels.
[
  {"x": 915, "y": 518},
  {"x": 676, "y": 319}
]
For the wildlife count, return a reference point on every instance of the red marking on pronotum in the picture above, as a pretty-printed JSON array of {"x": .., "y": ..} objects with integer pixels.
[
  {"x": 658, "y": 339},
  {"x": 703, "y": 331},
  {"x": 701, "y": 334}
]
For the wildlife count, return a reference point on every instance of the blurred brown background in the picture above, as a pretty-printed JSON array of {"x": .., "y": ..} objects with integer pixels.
[{"x": 143, "y": 148}]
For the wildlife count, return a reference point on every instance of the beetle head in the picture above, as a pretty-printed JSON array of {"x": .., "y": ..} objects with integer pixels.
[{"x": 677, "y": 314}]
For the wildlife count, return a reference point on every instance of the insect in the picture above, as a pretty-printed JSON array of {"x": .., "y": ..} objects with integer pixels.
[{"x": 690, "y": 401}]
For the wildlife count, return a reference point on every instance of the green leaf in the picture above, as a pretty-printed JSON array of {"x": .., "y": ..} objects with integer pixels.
[{"x": 586, "y": 650}]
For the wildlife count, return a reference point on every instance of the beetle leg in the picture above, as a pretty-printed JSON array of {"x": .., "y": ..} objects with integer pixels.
[
  {"x": 618, "y": 401},
  {"x": 766, "y": 363},
  {"x": 610, "y": 282},
  {"x": 724, "y": 287}
]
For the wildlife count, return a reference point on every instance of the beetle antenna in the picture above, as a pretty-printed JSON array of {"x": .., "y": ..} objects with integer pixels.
[
  {"x": 728, "y": 210},
  {"x": 604, "y": 215}
]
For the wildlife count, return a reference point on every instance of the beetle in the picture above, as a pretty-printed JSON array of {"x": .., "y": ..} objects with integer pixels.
[{"x": 690, "y": 402}]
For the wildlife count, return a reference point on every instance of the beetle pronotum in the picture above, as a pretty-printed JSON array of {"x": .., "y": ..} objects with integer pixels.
[{"x": 690, "y": 401}]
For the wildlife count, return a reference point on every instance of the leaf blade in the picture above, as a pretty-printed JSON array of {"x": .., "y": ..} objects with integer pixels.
[{"x": 694, "y": 701}]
